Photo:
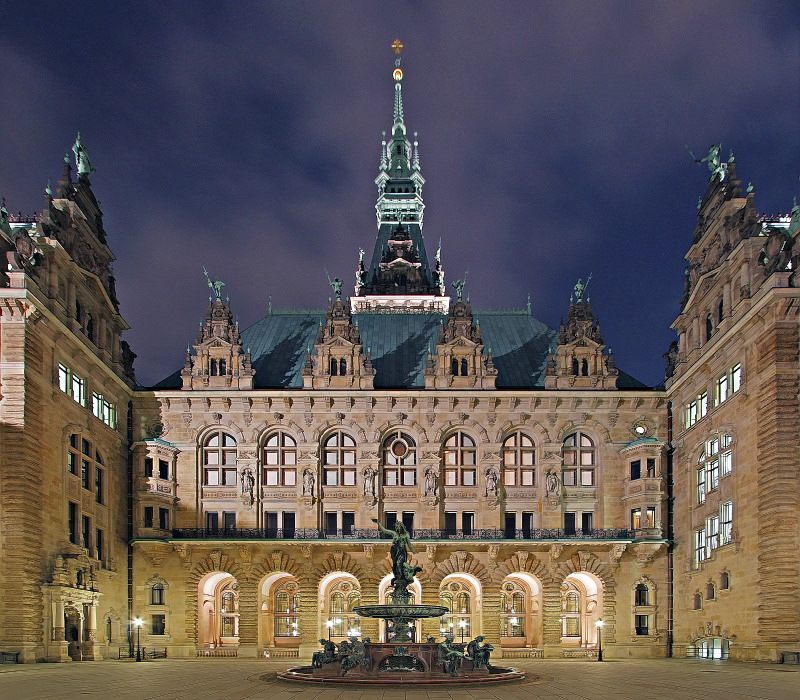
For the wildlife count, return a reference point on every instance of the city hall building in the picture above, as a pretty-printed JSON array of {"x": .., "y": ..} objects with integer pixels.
[{"x": 551, "y": 496}]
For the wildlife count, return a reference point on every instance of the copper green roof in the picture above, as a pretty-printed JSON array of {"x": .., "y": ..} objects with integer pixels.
[{"x": 399, "y": 344}]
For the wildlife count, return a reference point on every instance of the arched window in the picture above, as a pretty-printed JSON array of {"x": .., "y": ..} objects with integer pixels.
[
  {"x": 519, "y": 460},
  {"x": 697, "y": 602},
  {"x": 641, "y": 595},
  {"x": 571, "y": 605},
  {"x": 342, "y": 367},
  {"x": 339, "y": 459},
  {"x": 579, "y": 460},
  {"x": 575, "y": 366},
  {"x": 454, "y": 367},
  {"x": 90, "y": 327},
  {"x": 213, "y": 367},
  {"x": 709, "y": 327},
  {"x": 334, "y": 367},
  {"x": 399, "y": 460},
  {"x": 584, "y": 367},
  {"x": 715, "y": 461},
  {"x": 464, "y": 367},
  {"x": 724, "y": 581},
  {"x": 219, "y": 460},
  {"x": 222, "y": 368},
  {"x": 229, "y": 609},
  {"x": 513, "y": 612},
  {"x": 710, "y": 592},
  {"x": 157, "y": 594},
  {"x": 286, "y": 603},
  {"x": 457, "y": 598},
  {"x": 343, "y": 597},
  {"x": 460, "y": 457},
  {"x": 280, "y": 460}
]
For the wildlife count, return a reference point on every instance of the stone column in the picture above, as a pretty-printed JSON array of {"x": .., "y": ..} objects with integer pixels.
[
  {"x": 490, "y": 617},
  {"x": 248, "y": 620},
  {"x": 309, "y": 616},
  {"x": 91, "y": 649},
  {"x": 551, "y": 619}
]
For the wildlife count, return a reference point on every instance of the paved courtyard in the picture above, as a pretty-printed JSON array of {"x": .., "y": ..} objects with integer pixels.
[{"x": 236, "y": 679}]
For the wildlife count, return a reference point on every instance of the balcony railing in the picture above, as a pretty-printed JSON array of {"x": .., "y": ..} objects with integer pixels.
[{"x": 260, "y": 533}]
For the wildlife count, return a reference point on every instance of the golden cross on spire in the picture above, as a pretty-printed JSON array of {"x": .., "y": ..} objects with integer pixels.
[{"x": 397, "y": 46}]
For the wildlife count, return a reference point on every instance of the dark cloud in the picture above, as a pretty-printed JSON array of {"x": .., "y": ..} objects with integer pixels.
[{"x": 245, "y": 137}]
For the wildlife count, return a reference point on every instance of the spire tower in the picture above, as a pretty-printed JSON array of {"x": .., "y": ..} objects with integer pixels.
[{"x": 399, "y": 276}]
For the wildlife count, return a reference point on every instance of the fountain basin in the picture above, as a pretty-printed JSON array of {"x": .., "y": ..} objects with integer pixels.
[{"x": 404, "y": 612}]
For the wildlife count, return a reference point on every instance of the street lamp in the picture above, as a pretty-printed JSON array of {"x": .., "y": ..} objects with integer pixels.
[
  {"x": 137, "y": 623},
  {"x": 329, "y": 624},
  {"x": 462, "y": 624},
  {"x": 599, "y": 625}
]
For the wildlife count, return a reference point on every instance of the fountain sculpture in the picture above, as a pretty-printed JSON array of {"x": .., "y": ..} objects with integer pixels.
[{"x": 401, "y": 659}]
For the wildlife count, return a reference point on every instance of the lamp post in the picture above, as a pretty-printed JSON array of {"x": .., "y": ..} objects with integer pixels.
[
  {"x": 599, "y": 625},
  {"x": 329, "y": 624},
  {"x": 462, "y": 624},
  {"x": 138, "y": 622}
]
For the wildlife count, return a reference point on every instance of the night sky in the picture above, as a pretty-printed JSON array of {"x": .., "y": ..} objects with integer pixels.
[{"x": 245, "y": 136}]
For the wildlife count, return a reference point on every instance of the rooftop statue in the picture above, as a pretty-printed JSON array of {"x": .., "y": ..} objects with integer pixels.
[
  {"x": 82, "y": 162},
  {"x": 715, "y": 164},
  {"x": 580, "y": 289},
  {"x": 336, "y": 286},
  {"x": 458, "y": 285},
  {"x": 216, "y": 285}
]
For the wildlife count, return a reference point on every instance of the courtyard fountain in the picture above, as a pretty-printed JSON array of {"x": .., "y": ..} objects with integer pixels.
[{"x": 401, "y": 659}]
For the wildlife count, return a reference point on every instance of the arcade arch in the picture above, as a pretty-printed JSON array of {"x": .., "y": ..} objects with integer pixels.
[{"x": 218, "y": 610}]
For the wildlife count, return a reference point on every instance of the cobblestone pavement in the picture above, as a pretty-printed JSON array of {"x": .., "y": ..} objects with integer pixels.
[{"x": 237, "y": 679}]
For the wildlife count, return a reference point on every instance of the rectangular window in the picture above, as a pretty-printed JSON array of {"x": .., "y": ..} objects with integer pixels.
[
  {"x": 163, "y": 518},
  {"x": 348, "y": 477},
  {"x": 651, "y": 466},
  {"x": 527, "y": 525},
  {"x": 642, "y": 625},
  {"x": 73, "y": 522},
  {"x": 467, "y": 523},
  {"x": 712, "y": 533},
  {"x": 288, "y": 525},
  {"x": 331, "y": 523},
  {"x": 72, "y": 462},
  {"x": 701, "y": 485},
  {"x": 586, "y": 522},
  {"x": 229, "y": 520},
  {"x": 587, "y": 477},
  {"x": 63, "y": 378},
  {"x": 86, "y": 474},
  {"x": 725, "y": 463},
  {"x": 158, "y": 624},
  {"x": 691, "y": 414},
  {"x": 451, "y": 477},
  {"x": 702, "y": 404},
  {"x": 211, "y": 477},
  {"x": 722, "y": 388},
  {"x": 78, "y": 389},
  {"x": 99, "y": 545},
  {"x": 468, "y": 477},
  {"x": 726, "y": 522},
  {"x": 348, "y": 523},
  {"x": 712, "y": 469},
  {"x": 148, "y": 466},
  {"x": 212, "y": 521},
  {"x": 408, "y": 520},
  {"x": 636, "y": 518},
  {"x": 271, "y": 523},
  {"x": 651, "y": 517},
  {"x": 528, "y": 477},
  {"x": 569, "y": 523},
  {"x": 86, "y": 532},
  {"x": 331, "y": 477},
  {"x": 450, "y": 523},
  {"x": 572, "y": 627},
  {"x": 98, "y": 485},
  {"x": 570, "y": 477},
  {"x": 510, "y": 526},
  {"x": 699, "y": 546},
  {"x": 271, "y": 477},
  {"x": 148, "y": 516},
  {"x": 163, "y": 469},
  {"x": 229, "y": 477},
  {"x": 636, "y": 470},
  {"x": 289, "y": 477},
  {"x": 736, "y": 378}
]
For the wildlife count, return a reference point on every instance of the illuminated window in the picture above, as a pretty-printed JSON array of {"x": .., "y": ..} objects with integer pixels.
[
  {"x": 513, "y": 613},
  {"x": 286, "y": 603},
  {"x": 715, "y": 461},
  {"x": 280, "y": 460},
  {"x": 460, "y": 458},
  {"x": 519, "y": 460},
  {"x": 399, "y": 460},
  {"x": 578, "y": 455},
  {"x": 343, "y": 597},
  {"x": 104, "y": 409},
  {"x": 219, "y": 460},
  {"x": 339, "y": 460}
]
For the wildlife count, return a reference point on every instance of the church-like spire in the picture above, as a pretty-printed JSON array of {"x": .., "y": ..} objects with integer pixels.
[{"x": 399, "y": 266}]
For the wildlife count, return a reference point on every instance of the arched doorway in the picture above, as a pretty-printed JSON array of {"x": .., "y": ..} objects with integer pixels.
[
  {"x": 461, "y": 595},
  {"x": 340, "y": 593},
  {"x": 521, "y": 611},
  {"x": 581, "y": 608},
  {"x": 74, "y": 631},
  {"x": 218, "y": 611},
  {"x": 279, "y": 618}
]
